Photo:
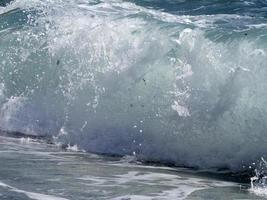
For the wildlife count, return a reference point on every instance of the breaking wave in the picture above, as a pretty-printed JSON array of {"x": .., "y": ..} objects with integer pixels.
[{"x": 181, "y": 84}]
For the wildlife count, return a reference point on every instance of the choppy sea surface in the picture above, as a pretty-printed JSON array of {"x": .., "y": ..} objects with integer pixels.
[{"x": 173, "y": 82}]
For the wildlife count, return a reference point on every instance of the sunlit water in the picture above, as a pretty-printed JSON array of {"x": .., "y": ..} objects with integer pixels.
[{"x": 35, "y": 170}]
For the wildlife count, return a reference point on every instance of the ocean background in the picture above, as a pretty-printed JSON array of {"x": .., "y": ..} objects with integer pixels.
[{"x": 178, "y": 83}]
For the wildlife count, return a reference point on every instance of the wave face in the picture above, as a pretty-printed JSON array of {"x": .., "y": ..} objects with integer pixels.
[{"x": 168, "y": 81}]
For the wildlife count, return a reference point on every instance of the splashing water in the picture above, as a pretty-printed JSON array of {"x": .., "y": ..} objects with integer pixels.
[
  {"x": 259, "y": 181},
  {"x": 184, "y": 85}
]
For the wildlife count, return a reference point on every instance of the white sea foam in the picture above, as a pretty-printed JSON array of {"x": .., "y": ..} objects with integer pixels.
[
  {"x": 32, "y": 195},
  {"x": 176, "y": 187},
  {"x": 259, "y": 191},
  {"x": 73, "y": 148}
]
